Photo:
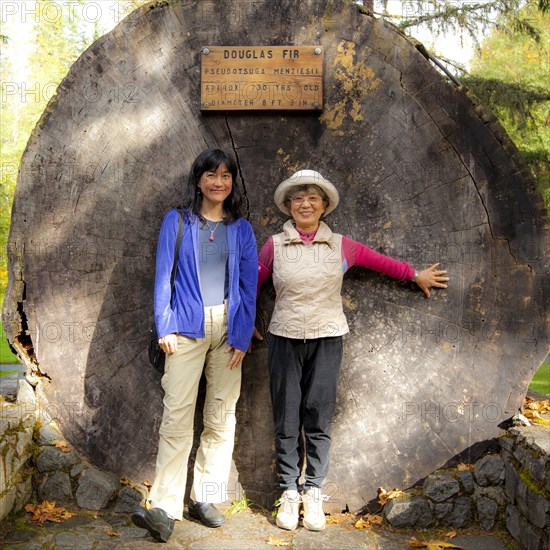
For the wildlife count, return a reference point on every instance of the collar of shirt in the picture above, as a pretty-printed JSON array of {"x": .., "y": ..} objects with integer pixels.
[{"x": 306, "y": 237}]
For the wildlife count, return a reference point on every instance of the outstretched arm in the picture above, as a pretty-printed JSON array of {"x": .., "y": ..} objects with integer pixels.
[{"x": 431, "y": 277}]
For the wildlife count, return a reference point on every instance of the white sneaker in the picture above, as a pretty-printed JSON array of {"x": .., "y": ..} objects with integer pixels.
[
  {"x": 314, "y": 517},
  {"x": 288, "y": 515}
]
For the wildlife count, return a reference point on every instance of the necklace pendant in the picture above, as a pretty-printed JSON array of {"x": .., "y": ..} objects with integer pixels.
[{"x": 211, "y": 238}]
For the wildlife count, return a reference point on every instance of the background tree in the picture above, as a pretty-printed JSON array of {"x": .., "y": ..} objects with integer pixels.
[
  {"x": 59, "y": 34},
  {"x": 510, "y": 74},
  {"x": 473, "y": 19}
]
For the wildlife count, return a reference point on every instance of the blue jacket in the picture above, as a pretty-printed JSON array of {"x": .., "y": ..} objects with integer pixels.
[{"x": 186, "y": 314}]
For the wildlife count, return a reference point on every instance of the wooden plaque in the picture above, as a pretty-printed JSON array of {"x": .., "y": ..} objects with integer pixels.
[{"x": 261, "y": 77}]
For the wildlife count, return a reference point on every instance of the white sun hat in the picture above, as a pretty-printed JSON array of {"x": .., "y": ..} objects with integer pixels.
[{"x": 307, "y": 177}]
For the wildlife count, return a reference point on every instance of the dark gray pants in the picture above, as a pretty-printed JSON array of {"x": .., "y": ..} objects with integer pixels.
[{"x": 303, "y": 381}]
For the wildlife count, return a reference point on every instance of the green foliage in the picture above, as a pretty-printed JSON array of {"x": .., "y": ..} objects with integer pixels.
[
  {"x": 6, "y": 355},
  {"x": 238, "y": 505},
  {"x": 473, "y": 19},
  {"x": 510, "y": 75},
  {"x": 59, "y": 36},
  {"x": 541, "y": 381}
]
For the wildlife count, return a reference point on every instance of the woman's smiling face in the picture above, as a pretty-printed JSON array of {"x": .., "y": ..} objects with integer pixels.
[
  {"x": 306, "y": 208},
  {"x": 216, "y": 185}
]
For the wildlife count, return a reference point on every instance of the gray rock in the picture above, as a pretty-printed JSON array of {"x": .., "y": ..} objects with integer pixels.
[
  {"x": 489, "y": 471},
  {"x": 77, "y": 470},
  {"x": 442, "y": 510},
  {"x": 466, "y": 480},
  {"x": 511, "y": 478},
  {"x": 73, "y": 541},
  {"x": 25, "y": 394},
  {"x": 128, "y": 499},
  {"x": 494, "y": 493},
  {"x": 528, "y": 536},
  {"x": 47, "y": 435},
  {"x": 461, "y": 515},
  {"x": 441, "y": 486},
  {"x": 95, "y": 489},
  {"x": 486, "y": 512},
  {"x": 57, "y": 488},
  {"x": 534, "y": 506},
  {"x": 52, "y": 459},
  {"x": 507, "y": 442},
  {"x": 408, "y": 512},
  {"x": 10, "y": 385}
]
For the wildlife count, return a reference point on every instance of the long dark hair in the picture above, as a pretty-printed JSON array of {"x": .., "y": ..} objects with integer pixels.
[{"x": 209, "y": 160}]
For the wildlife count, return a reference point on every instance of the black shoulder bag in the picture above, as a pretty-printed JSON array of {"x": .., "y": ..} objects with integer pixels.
[{"x": 157, "y": 357}]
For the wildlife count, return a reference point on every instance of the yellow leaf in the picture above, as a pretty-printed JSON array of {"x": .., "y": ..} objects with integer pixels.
[
  {"x": 340, "y": 518},
  {"x": 276, "y": 542},
  {"x": 62, "y": 445},
  {"x": 374, "y": 519},
  {"x": 542, "y": 421},
  {"x": 414, "y": 543},
  {"x": 384, "y": 496},
  {"x": 47, "y": 511},
  {"x": 439, "y": 545},
  {"x": 450, "y": 534},
  {"x": 114, "y": 534},
  {"x": 362, "y": 523},
  {"x": 431, "y": 544}
]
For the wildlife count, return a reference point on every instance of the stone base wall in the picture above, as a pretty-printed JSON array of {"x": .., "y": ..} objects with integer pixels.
[
  {"x": 16, "y": 432},
  {"x": 525, "y": 452},
  {"x": 512, "y": 488},
  {"x": 37, "y": 464},
  {"x": 455, "y": 498}
]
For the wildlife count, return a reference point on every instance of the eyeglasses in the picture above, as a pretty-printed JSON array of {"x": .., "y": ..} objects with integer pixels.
[{"x": 314, "y": 200}]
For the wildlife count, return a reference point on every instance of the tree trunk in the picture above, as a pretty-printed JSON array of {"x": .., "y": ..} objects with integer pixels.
[{"x": 424, "y": 174}]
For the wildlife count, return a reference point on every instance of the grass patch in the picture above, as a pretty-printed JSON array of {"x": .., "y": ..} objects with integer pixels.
[
  {"x": 541, "y": 380},
  {"x": 238, "y": 505},
  {"x": 6, "y": 355},
  {"x": 7, "y": 372}
]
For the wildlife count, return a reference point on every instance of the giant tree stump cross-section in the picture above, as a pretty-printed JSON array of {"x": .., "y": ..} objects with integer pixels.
[{"x": 424, "y": 173}]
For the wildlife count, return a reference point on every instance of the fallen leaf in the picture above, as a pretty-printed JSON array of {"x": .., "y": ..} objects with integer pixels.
[
  {"x": 62, "y": 445},
  {"x": 277, "y": 542},
  {"x": 450, "y": 534},
  {"x": 465, "y": 467},
  {"x": 414, "y": 543},
  {"x": 431, "y": 544},
  {"x": 340, "y": 518},
  {"x": 147, "y": 484},
  {"x": 534, "y": 405},
  {"x": 114, "y": 534},
  {"x": 362, "y": 523},
  {"x": 374, "y": 519},
  {"x": 440, "y": 544},
  {"x": 47, "y": 511},
  {"x": 384, "y": 496}
]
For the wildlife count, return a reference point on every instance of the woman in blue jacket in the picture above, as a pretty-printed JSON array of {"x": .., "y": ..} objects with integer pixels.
[{"x": 206, "y": 325}]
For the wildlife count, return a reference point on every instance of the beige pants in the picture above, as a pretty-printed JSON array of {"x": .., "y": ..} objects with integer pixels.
[{"x": 180, "y": 383}]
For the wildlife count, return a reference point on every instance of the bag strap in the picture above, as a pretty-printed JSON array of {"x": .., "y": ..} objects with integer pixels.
[{"x": 176, "y": 253}]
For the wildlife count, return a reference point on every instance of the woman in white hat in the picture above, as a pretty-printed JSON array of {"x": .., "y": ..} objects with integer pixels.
[{"x": 307, "y": 262}]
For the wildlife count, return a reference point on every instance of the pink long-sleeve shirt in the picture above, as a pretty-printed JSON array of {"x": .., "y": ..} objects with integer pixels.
[{"x": 353, "y": 253}]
